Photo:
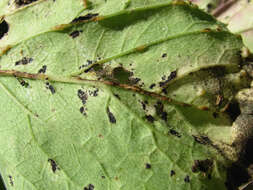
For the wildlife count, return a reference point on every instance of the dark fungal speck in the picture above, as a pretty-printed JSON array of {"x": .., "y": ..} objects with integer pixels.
[
  {"x": 24, "y": 2},
  {"x": 152, "y": 86},
  {"x": 172, "y": 75},
  {"x": 95, "y": 92},
  {"x": 23, "y": 61},
  {"x": 53, "y": 165},
  {"x": 82, "y": 110},
  {"x": 202, "y": 139},
  {"x": 103, "y": 177},
  {"x": 75, "y": 33},
  {"x": 11, "y": 180},
  {"x": 175, "y": 133},
  {"x": 50, "y": 87},
  {"x": 202, "y": 165},
  {"x": 164, "y": 55},
  {"x": 143, "y": 105},
  {"x": 150, "y": 118},
  {"x": 148, "y": 166},
  {"x": 89, "y": 62},
  {"x": 4, "y": 28},
  {"x": 172, "y": 172},
  {"x": 117, "y": 96},
  {"x": 135, "y": 80},
  {"x": 187, "y": 179},
  {"x": 82, "y": 96},
  {"x": 89, "y": 187},
  {"x": 23, "y": 83},
  {"x": 111, "y": 117},
  {"x": 43, "y": 69},
  {"x": 160, "y": 112},
  {"x": 86, "y": 17}
]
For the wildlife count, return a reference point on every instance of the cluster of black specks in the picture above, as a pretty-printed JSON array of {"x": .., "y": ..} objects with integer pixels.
[
  {"x": 175, "y": 133},
  {"x": 187, "y": 179},
  {"x": 111, "y": 117},
  {"x": 172, "y": 173},
  {"x": 43, "y": 69},
  {"x": 89, "y": 187},
  {"x": 172, "y": 75},
  {"x": 144, "y": 104},
  {"x": 50, "y": 87},
  {"x": 93, "y": 93},
  {"x": 202, "y": 140},
  {"x": 148, "y": 166},
  {"x": 135, "y": 80},
  {"x": 53, "y": 165},
  {"x": 84, "y": 18},
  {"x": 89, "y": 62},
  {"x": 24, "y": 61},
  {"x": 75, "y": 33},
  {"x": 150, "y": 118},
  {"x": 11, "y": 180},
  {"x": 160, "y": 112},
  {"x": 4, "y": 28},
  {"x": 202, "y": 165},
  {"x": 24, "y": 2},
  {"x": 152, "y": 86},
  {"x": 82, "y": 96},
  {"x": 23, "y": 83},
  {"x": 164, "y": 55}
]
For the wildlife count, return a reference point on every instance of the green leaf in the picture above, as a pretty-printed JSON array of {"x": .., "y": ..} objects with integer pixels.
[{"x": 132, "y": 98}]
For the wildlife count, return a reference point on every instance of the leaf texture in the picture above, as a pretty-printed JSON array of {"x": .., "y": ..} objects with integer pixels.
[{"x": 129, "y": 97}]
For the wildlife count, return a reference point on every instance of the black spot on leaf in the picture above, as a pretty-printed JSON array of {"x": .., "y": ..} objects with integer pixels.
[
  {"x": 175, "y": 133},
  {"x": 53, "y": 165},
  {"x": 82, "y": 110},
  {"x": 50, "y": 87},
  {"x": 86, "y": 17},
  {"x": 82, "y": 96},
  {"x": 117, "y": 96},
  {"x": 24, "y": 2},
  {"x": 43, "y": 69},
  {"x": 24, "y": 61},
  {"x": 164, "y": 55},
  {"x": 187, "y": 179},
  {"x": 23, "y": 83},
  {"x": 89, "y": 187},
  {"x": 148, "y": 166},
  {"x": 172, "y": 172},
  {"x": 11, "y": 180},
  {"x": 172, "y": 75},
  {"x": 202, "y": 140},
  {"x": 150, "y": 118},
  {"x": 160, "y": 112},
  {"x": 75, "y": 33},
  {"x": 111, "y": 117},
  {"x": 4, "y": 28},
  {"x": 202, "y": 165},
  {"x": 152, "y": 86}
]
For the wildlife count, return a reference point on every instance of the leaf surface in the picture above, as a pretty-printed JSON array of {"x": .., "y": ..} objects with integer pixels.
[{"x": 129, "y": 100}]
